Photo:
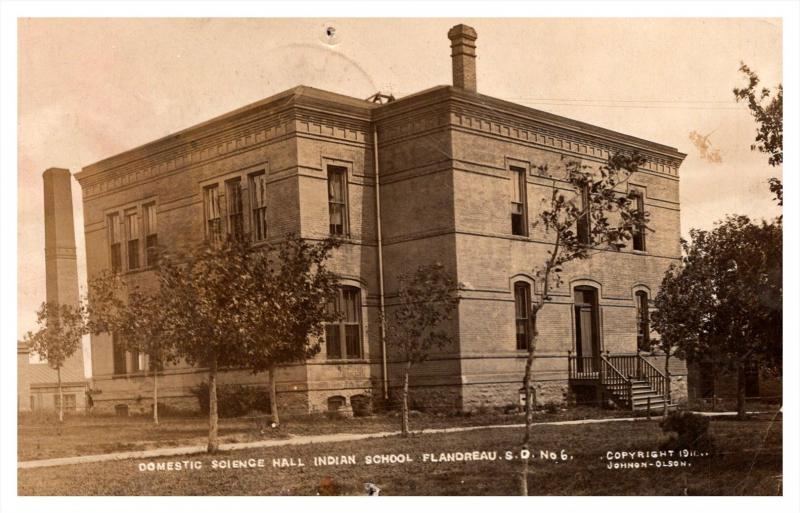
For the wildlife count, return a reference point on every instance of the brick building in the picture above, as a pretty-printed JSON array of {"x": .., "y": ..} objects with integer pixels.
[{"x": 447, "y": 175}]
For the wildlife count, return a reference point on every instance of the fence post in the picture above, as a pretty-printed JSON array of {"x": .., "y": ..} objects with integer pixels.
[
  {"x": 569, "y": 363},
  {"x": 648, "y": 408},
  {"x": 630, "y": 393},
  {"x": 638, "y": 365}
]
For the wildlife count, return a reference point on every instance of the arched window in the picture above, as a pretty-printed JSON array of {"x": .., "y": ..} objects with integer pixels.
[
  {"x": 343, "y": 338},
  {"x": 522, "y": 308},
  {"x": 642, "y": 321}
]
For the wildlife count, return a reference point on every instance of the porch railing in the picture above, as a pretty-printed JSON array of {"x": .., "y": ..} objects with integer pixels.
[
  {"x": 657, "y": 379},
  {"x": 615, "y": 381},
  {"x": 617, "y": 371}
]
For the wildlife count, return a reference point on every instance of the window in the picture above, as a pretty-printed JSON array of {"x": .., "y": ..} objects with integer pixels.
[
  {"x": 150, "y": 235},
  {"x": 258, "y": 202},
  {"x": 69, "y": 401},
  {"x": 584, "y": 220},
  {"x": 337, "y": 200},
  {"x": 118, "y": 351},
  {"x": 642, "y": 321},
  {"x": 233, "y": 191},
  {"x": 639, "y": 231},
  {"x": 522, "y": 306},
  {"x": 136, "y": 362},
  {"x": 519, "y": 214},
  {"x": 115, "y": 241},
  {"x": 132, "y": 232},
  {"x": 212, "y": 213},
  {"x": 343, "y": 337}
]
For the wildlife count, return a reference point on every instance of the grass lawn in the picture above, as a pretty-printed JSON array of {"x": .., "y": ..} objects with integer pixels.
[
  {"x": 747, "y": 462},
  {"x": 40, "y": 436}
]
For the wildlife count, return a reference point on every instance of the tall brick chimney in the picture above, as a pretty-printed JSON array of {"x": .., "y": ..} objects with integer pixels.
[
  {"x": 61, "y": 262},
  {"x": 462, "y": 42}
]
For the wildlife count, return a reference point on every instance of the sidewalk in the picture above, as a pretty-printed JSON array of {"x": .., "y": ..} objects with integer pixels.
[{"x": 302, "y": 440}]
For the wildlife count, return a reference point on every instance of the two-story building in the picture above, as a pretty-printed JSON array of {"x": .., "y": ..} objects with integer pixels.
[{"x": 445, "y": 175}]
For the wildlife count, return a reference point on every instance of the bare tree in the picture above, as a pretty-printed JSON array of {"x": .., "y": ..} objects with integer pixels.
[
  {"x": 600, "y": 214},
  {"x": 426, "y": 298}
]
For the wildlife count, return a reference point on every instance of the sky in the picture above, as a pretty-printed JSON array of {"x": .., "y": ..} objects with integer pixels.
[{"x": 91, "y": 88}]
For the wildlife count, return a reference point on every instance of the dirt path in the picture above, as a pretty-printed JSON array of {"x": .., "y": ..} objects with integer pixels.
[{"x": 301, "y": 440}]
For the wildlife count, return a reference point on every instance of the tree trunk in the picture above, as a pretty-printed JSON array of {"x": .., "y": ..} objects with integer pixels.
[
  {"x": 404, "y": 426},
  {"x": 669, "y": 385},
  {"x": 213, "y": 419},
  {"x": 273, "y": 396},
  {"x": 740, "y": 392},
  {"x": 529, "y": 403},
  {"x": 60, "y": 396},
  {"x": 155, "y": 397}
]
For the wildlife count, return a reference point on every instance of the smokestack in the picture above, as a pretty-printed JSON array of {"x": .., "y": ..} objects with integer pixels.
[
  {"x": 61, "y": 262},
  {"x": 462, "y": 42}
]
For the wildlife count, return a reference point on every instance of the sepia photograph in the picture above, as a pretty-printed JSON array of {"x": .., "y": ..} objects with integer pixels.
[{"x": 387, "y": 256}]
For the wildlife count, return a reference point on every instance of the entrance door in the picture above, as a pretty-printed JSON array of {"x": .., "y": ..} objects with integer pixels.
[{"x": 587, "y": 340}]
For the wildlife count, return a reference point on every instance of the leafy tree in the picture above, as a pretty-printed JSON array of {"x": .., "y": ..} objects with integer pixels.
[
  {"x": 61, "y": 328},
  {"x": 767, "y": 110},
  {"x": 291, "y": 289},
  {"x": 137, "y": 320},
  {"x": 426, "y": 298},
  {"x": 676, "y": 319},
  {"x": 207, "y": 305},
  {"x": 723, "y": 305},
  {"x": 601, "y": 214}
]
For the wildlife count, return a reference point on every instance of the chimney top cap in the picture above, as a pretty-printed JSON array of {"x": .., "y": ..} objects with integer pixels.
[
  {"x": 56, "y": 171},
  {"x": 464, "y": 31}
]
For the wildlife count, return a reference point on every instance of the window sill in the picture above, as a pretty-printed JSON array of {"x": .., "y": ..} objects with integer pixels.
[
  {"x": 138, "y": 374},
  {"x": 341, "y": 361},
  {"x": 519, "y": 237}
]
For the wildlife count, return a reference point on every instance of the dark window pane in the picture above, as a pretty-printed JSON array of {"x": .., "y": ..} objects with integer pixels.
[
  {"x": 518, "y": 202},
  {"x": 522, "y": 306},
  {"x": 336, "y": 213},
  {"x": 152, "y": 249},
  {"x": 133, "y": 254},
  {"x": 337, "y": 200},
  {"x": 235, "y": 212},
  {"x": 642, "y": 321},
  {"x": 258, "y": 199},
  {"x": 584, "y": 221},
  {"x": 639, "y": 231},
  {"x": 116, "y": 257},
  {"x": 135, "y": 367},
  {"x": 213, "y": 217},
  {"x": 119, "y": 355},
  {"x": 333, "y": 345},
  {"x": 353, "y": 340}
]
